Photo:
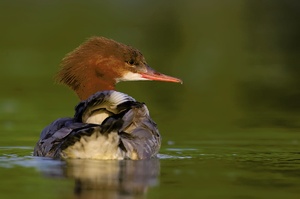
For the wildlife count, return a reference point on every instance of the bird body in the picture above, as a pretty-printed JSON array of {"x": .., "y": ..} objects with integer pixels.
[{"x": 107, "y": 124}]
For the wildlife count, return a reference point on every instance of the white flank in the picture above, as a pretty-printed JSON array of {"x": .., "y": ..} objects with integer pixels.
[{"x": 96, "y": 146}]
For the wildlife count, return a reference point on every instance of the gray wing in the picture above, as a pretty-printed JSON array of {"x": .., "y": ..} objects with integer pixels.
[
  {"x": 54, "y": 136},
  {"x": 139, "y": 133}
]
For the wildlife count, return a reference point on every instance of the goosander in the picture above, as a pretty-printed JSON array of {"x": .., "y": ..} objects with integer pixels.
[{"x": 107, "y": 124}]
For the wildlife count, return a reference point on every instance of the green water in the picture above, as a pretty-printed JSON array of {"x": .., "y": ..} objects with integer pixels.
[{"x": 230, "y": 131}]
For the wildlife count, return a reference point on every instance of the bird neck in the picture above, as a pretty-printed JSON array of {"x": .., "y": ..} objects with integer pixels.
[{"x": 89, "y": 87}]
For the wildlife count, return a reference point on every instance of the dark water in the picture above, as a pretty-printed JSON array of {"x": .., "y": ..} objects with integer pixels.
[{"x": 230, "y": 131}]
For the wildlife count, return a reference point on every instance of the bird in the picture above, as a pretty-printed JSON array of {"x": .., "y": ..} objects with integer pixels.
[{"x": 107, "y": 124}]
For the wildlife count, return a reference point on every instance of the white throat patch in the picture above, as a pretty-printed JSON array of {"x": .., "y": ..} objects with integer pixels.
[{"x": 130, "y": 76}]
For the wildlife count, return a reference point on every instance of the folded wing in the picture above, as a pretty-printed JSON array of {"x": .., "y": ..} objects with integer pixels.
[{"x": 108, "y": 125}]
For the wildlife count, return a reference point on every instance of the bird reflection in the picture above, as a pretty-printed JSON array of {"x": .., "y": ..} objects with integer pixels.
[{"x": 110, "y": 178}]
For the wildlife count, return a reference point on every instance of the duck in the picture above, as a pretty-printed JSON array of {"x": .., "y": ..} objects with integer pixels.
[{"x": 107, "y": 124}]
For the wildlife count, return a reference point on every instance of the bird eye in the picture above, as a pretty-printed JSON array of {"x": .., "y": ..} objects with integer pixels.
[{"x": 130, "y": 62}]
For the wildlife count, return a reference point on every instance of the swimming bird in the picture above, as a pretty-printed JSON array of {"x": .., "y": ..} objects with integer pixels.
[{"x": 107, "y": 124}]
